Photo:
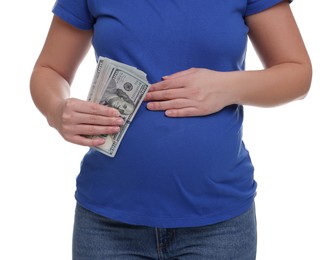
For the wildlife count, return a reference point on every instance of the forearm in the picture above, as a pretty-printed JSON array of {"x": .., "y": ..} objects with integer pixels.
[
  {"x": 269, "y": 87},
  {"x": 198, "y": 92},
  {"x": 48, "y": 90}
]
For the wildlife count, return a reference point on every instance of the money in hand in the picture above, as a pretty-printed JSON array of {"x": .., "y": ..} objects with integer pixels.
[{"x": 120, "y": 86}]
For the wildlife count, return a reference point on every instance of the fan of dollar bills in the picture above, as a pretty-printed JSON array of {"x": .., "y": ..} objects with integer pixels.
[{"x": 120, "y": 86}]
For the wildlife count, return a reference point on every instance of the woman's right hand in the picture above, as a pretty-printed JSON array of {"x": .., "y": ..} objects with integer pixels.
[{"x": 77, "y": 119}]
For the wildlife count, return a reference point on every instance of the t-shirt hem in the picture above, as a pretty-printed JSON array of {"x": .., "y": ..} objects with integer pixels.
[
  {"x": 70, "y": 18},
  {"x": 261, "y": 6},
  {"x": 161, "y": 222}
]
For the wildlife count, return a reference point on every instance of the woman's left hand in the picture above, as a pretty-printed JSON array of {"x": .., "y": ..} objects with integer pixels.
[{"x": 193, "y": 92}]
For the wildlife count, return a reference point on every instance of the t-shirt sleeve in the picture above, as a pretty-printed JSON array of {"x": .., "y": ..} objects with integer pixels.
[
  {"x": 75, "y": 12},
  {"x": 256, "y": 6}
]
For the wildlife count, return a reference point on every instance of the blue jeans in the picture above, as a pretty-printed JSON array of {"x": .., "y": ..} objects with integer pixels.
[{"x": 99, "y": 238}]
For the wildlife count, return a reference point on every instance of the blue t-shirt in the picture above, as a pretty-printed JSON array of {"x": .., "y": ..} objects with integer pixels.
[{"x": 170, "y": 172}]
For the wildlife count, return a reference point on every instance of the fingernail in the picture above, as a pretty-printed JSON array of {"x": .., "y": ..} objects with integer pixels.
[{"x": 168, "y": 113}]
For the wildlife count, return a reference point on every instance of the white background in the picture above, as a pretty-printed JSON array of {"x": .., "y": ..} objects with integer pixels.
[{"x": 291, "y": 147}]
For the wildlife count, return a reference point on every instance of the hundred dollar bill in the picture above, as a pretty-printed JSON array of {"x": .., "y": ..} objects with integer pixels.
[{"x": 120, "y": 86}]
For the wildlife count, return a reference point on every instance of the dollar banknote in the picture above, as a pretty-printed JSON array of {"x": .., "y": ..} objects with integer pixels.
[{"x": 120, "y": 86}]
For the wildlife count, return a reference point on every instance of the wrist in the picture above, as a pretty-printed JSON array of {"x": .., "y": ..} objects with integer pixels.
[
  {"x": 54, "y": 113},
  {"x": 228, "y": 88}
]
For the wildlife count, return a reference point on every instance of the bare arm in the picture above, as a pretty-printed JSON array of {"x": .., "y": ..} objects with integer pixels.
[
  {"x": 63, "y": 51},
  {"x": 286, "y": 76}
]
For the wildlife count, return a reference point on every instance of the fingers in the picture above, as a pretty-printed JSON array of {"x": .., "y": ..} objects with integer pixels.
[
  {"x": 92, "y": 108},
  {"x": 90, "y": 135},
  {"x": 82, "y": 112},
  {"x": 179, "y": 108},
  {"x": 91, "y": 119},
  {"x": 174, "y": 87},
  {"x": 167, "y": 94},
  {"x": 169, "y": 104},
  {"x": 174, "y": 81},
  {"x": 184, "y": 112},
  {"x": 89, "y": 130},
  {"x": 175, "y": 95},
  {"x": 82, "y": 118},
  {"x": 167, "y": 84},
  {"x": 85, "y": 141}
]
